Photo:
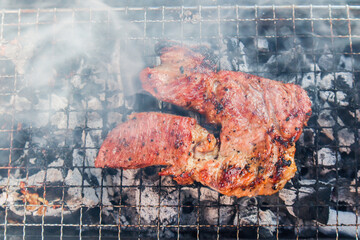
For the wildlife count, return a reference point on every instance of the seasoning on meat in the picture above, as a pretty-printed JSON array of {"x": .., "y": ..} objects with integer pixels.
[
  {"x": 156, "y": 139},
  {"x": 261, "y": 120}
]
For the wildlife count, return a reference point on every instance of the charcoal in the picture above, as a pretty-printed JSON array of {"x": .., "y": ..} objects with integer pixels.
[
  {"x": 76, "y": 120},
  {"x": 239, "y": 55},
  {"x": 208, "y": 195},
  {"x": 78, "y": 136},
  {"x": 306, "y": 229},
  {"x": 328, "y": 157},
  {"x": 168, "y": 233},
  {"x": 94, "y": 120},
  {"x": 93, "y": 139},
  {"x": 306, "y": 206},
  {"x": 76, "y": 101},
  {"x": 58, "y": 102},
  {"x": 90, "y": 215},
  {"x": 338, "y": 218},
  {"x": 326, "y": 119},
  {"x": 307, "y": 138},
  {"x": 106, "y": 199},
  {"x": 268, "y": 220},
  {"x": 342, "y": 98},
  {"x": 346, "y": 116},
  {"x": 35, "y": 182},
  {"x": 247, "y": 207},
  {"x": 150, "y": 213},
  {"x": 75, "y": 196},
  {"x": 326, "y": 82},
  {"x": 19, "y": 51},
  {"x": 21, "y": 138},
  {"x": 209, "y": 215},
  {"x": 326, "y": 62},
  {"x": 130, "y": 196},
  {"x": 309, "y": 80},
  {"x": 10, "y": 198},
  {"x": 168, "y": 215},
  {"x": 289, "y": 197},
  {"x": 57, "y": 163},
  {"x": 226, "y": 215},
  {"x": 344, "y": 80},
  {"x": 94, "y": 103},
  {"x": 345, "y": 138},
  {"x": 123, "y": 219},
  {"x": 344, "y": 195},
  {"x": 250, "y": 215},
  {"x": 78, "y": 157},
  {"x": 93, "y": 176},
  {"x": 227, "y": 200},
  {"x": 113, "y": 118},
  {"x": 21, "y": 103},
  {"x": 59, "y": 120},
  {"x": 130, "y": 177},
  {"x": 189, "y": 201},
  {"x": 262, "y": 45},
  {"x": 53, "y": 175},
  {"x": 90, "y": 155},
  {"x": 188, "y": 196},
  {"x": 345, "y": 63},
  {"x": 149, "y": 196},
  {"x": 328, "y": 96},
  {"x": 167, "y": 181},
  {"x": 150, "y": 176},
  {"x": 169, "y": 196},
  {"x": 309, "y": 202},
  {"x": 115, "y": 100},
  {"x": 288, "y": 61}
]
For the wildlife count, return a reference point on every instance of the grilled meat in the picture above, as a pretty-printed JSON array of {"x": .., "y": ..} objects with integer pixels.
[
  {"x": 157, "y": 139},
  {"x": 261, "y": 120}
]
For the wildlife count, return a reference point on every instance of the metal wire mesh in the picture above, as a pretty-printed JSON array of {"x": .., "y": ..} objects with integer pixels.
[{"x": 263, "y": 29}]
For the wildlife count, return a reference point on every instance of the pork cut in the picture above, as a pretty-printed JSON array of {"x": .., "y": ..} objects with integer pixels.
[{"x": 260, "y": 121}]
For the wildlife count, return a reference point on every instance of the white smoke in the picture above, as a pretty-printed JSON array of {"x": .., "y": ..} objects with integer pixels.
[{"x": 58, "y": 53}]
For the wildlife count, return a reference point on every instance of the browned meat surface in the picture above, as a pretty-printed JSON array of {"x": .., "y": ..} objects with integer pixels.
[
  {"x": 261, "y": 120},
  {"x": 156, "y": 139}
]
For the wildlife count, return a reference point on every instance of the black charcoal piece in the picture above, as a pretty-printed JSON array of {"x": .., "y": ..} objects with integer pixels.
[
  {"x": 314, "y": 205},
  {"x": 340, "y": 222}
]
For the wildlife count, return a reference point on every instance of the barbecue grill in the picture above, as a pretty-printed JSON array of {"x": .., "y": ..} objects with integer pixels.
[{"x": 69, "y": 75}]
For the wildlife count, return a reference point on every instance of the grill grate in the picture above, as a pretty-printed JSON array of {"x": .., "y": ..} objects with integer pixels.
[{"x": 50, "y": 131}]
